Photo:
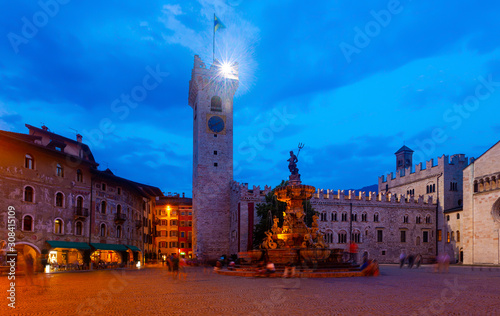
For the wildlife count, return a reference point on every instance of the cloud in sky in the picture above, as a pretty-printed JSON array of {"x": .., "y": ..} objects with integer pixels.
[{"x": 352, "y": 116}]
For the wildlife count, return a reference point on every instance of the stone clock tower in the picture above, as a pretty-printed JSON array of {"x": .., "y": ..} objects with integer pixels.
[{"x": 211, "y": 92}]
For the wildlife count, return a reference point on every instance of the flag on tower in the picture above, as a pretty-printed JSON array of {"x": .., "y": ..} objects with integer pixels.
[{"x": 218, "y": 24}]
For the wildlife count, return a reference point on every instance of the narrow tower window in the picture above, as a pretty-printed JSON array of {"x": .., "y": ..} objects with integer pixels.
[{"x": 216, "y": 104}]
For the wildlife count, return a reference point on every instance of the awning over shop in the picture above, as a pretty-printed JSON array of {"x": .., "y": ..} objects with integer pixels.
[
  {"x": 115, "y": 247},
  {"x": 68, "y": 244},
  {"x": 133, "y": 248}
]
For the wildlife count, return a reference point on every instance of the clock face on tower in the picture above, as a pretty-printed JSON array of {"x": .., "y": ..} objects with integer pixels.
[{"x": 216, "y": 124}]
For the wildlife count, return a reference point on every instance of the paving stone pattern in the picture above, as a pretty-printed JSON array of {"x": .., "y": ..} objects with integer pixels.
[{"x": 152, "y": 291}]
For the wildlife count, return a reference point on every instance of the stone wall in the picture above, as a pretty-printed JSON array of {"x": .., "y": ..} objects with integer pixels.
[
  {"x": 447, "y": 170},
  {"x": 481, "y": 238},
  {"x": 212, "y": 160},
  {"x": 390, "y": 209}
]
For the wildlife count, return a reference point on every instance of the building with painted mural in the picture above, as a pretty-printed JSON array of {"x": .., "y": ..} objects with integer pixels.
[{"x": 58, "y": 194}]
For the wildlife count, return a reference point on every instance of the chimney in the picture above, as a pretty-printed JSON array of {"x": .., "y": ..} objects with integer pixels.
[
  {"x": 45, "y": 128},
  {"x": 79, "y": 138},
  {"x": 183, "y": 194}
]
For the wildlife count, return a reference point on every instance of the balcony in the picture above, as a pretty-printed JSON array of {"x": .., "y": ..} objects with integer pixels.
[
  {"x": 81, "y": 213},
  {"x": 138, "y": 223},
  {"x": 120, "y": 218}
]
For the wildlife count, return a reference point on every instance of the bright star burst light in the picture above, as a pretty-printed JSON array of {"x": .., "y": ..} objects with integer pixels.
[
  {"x": 227, "y": 70},
  {"x": 234, "y": 53}
]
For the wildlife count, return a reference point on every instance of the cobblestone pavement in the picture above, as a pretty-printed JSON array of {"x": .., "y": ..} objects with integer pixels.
[{"x": 151, "y": 291}]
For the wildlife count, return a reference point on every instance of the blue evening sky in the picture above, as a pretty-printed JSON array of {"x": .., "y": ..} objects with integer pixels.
[{"x": 354, "y": 81}]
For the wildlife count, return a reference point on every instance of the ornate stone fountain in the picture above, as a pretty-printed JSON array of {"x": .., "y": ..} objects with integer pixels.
[
  {"x": 294, "y": 242},
  {"x": 294, "y": 238}
]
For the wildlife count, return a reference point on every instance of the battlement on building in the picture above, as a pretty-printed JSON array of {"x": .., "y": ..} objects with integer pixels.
[
  {"x": 218, "y": 77},
  {"x": 351, "y": 196},
  {"x": 242, "y": 190},
  {"x": 457, "y": 161}
]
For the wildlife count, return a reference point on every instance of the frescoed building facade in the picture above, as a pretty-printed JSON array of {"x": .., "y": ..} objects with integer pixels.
[{"x": 57, "y": 192}]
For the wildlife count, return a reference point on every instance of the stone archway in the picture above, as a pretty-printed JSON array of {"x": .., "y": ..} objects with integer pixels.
[
  {"x": 495, "y": 210},
  {"x": 23, "y": 248}
]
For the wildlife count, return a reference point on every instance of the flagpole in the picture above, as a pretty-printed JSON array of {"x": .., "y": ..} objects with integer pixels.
[{"x": 213, "y": 46}]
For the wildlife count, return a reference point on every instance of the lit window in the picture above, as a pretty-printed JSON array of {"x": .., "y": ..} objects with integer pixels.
[{"x": 58, "y": 226}]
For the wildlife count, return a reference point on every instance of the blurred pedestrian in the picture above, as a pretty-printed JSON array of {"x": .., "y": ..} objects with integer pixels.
[
  {"x": 270, "y": 269},
  {"x": 175, "y": 266},
  {"x": 289, "y": 270},
  {"x": 366, "y": 262},
  {"x": 169, "y": 263},
  {"x": 353, "y": 250},
  {"x": 411, "y": 260},
  {"x": 218, "y": 266},
  {"x": 446, "y": 262},
  {"x": 402, "y": 258},
  {"x": 418, "y": 261},
  {"x": 43, "y": 275},
  {"x": 28, "y": 259},
  {"x": 182, "y": 268}
]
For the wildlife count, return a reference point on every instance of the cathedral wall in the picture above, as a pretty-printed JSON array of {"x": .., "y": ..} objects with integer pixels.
[{"x": 482, "y": 209}]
